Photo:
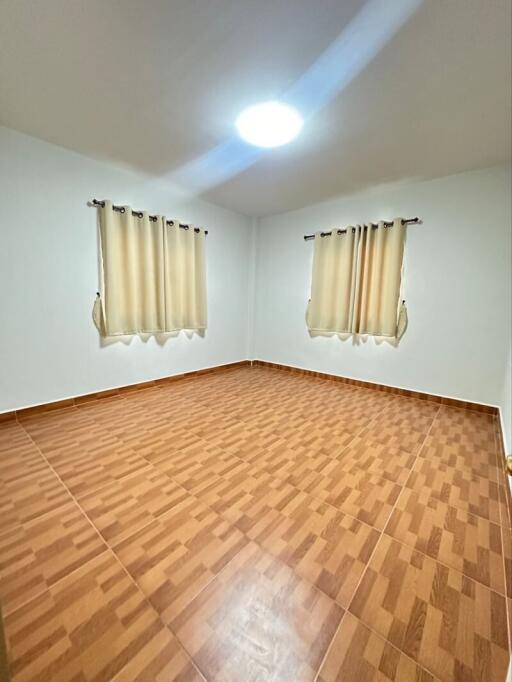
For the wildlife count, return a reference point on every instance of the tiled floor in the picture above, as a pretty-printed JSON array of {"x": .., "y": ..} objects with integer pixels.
[{"x": 255, "y": 525}]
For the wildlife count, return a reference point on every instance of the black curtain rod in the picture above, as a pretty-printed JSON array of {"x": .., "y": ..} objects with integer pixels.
[
  {"x": 139, "y": 214},
  {"x": 409, "y": 221}
]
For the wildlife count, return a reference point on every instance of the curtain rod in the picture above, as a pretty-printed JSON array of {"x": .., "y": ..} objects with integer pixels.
[
  {"x": 408, "y": 221},
  {"x": 139, "y": 214}
]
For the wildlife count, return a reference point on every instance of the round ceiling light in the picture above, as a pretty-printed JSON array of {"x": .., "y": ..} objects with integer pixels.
[{"x": 270, "y": 124}]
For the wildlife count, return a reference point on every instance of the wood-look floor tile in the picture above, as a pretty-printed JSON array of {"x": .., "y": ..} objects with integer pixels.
[
  {"x": 361, "y": 494},
  {"x": 312, "y": 439},
  {"x": 355, "y": 419},
  {"x": 19, "y": 456},
  {"x": 166, "y": 438},
  {"x": 35, "y": 555},
  {"x": 128, "y": 421},
  {"x": 271, "y": 456},
  {"x": 174, "y": 558},
  {"x": 509, "y": 613},
  {"x": 368, "y": 498},
  {"x": 88, "y": 626},
  {"x": 246, "y": 442},
  {"x": 213, "y": 423},
  {"x": 420, "y": 412},
  {"x": 142, "y": 424},
  {"x": 287, "y": 464},
  {"x": 121, "y": 508},
  {"x": 250, "y": 500},
  {"x": 28, "y": 486},
  {"x": 172, "y": 399},
  {"x": 381, "y": 460},
  {"x": 84, "y": 454},
  {"x": 258, "y": 620},
  {"x": 161, "y": 660},
  {"x": 454, "y": 627},
  {"x": 464, "y": 428},
  {"x": 457, "y": 456},
  {"x": 403, "y": 431},
  {"x": 86, "y": 475},
  {"x": 195, "y": 449},
  {"x": 473, "y": 418},
  {"x": 196, "y": 467},
  {"x": 61, "y": 432},
  {"x": 321, "y": 544},
  {"x": 181, "y": 477},
  {"x": 33, "y": 495},
  {"x": 457, "y": 487},
  {"x": 465, "y": 542},
  {"x": 359, "y": 655},
  {"x": 395, "y": 434}
]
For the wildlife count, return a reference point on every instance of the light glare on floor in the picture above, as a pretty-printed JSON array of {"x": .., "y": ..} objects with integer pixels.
[{"x": 270, "y": 124}]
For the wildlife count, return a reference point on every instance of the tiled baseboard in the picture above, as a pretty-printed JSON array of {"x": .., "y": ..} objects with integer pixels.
[
  {"x": 452, "y": 402},
  {"x": 110, "y": 393},
  {"x": 502, "y": 456}
]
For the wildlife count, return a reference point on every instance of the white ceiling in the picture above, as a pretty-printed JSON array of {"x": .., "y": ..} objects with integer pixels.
[{"x": 157, "y": 85}]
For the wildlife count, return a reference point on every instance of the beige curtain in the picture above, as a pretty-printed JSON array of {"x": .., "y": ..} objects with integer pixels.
[
  {"x": 356, "y": 280},
  {"x": 185, "y": 278},
  {"x": 153, "y": 275}
]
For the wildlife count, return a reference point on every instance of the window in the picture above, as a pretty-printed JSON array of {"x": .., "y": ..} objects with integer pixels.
[
  {"x": 356, "y": 280},
  {"x": 153, "y": 274}
]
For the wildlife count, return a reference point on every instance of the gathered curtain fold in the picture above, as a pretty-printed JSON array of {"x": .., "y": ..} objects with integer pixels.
[
  {"x": 356, "y": 279},
  {"x": 153, "y": 275},
  {"x": 185, "y": 278}
]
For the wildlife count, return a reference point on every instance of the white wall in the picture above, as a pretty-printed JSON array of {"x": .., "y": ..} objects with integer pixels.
[
  {"x": 457, "y": 287},
  {"x": 457, "y": 283},
  {"x": 49, "y": 348}
]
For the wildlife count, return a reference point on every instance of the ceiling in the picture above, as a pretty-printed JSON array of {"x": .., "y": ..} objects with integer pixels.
[{"x": 157, "y": 85}]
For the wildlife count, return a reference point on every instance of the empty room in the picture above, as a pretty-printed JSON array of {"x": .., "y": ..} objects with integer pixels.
[{"x": 256, "y": 372}]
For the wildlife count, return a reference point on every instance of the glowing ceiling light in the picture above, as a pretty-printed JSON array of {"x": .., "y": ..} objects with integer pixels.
[{"x": 270, "y": 124}]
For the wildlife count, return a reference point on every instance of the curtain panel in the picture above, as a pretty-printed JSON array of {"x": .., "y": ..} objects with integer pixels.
[
  {"x": 356, "y": 279},
  {"x": 153, "y": 275}
]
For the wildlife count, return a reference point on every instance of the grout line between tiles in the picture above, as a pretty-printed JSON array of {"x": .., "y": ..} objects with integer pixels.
[
  {"x": 381, "y": 532},
  {"x": 100, "y": 486},
  {"x": 214, "y": 577},
  {"x": 133, "y": 580},
  {"x": 403, "y": 487},
  {"x": 399, "y": 496},
  {"x": 431, "y": 558},
  {"x": 116, "y": 558},
  {"x": 146, "y": 599},
  {"x": 442, "y": 563},
  {"x": 379, "y": 635},
  {"x": 260, "y": 467},
  {"x": 8, "y": 613},
  {"x": 363, "y": 573},
  {"x": 187, "y": 492},
  {"x": 42, "y": 515},
  {"x": 72, "y": 500}
]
